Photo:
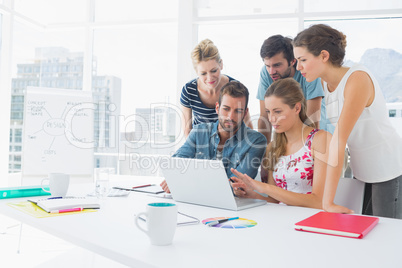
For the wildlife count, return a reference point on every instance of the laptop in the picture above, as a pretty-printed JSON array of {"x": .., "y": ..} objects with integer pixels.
[{"x": 203, "y": 182}]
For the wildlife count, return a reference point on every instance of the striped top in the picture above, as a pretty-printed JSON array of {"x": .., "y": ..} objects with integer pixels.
[{"x": 190, "y": 98}]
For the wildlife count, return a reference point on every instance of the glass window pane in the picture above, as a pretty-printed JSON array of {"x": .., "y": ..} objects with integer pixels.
[
  {"x": 37, "y": 56},
  {"x": 347, "y": 5},
  {"x": 144, "y": 58},
  {"x": 207, "y": 8},
  {"x": 125, "y": 10},
  {"x": 375, "y": 44},
  {"x": 239, "y": 45},
  {"x": 45, "y": 11}
]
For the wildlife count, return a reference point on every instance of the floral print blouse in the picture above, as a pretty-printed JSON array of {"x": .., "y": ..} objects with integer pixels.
[{"x": 295, "y": 172}]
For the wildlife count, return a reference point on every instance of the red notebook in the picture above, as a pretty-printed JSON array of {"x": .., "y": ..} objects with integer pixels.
[{"x": 347, "y": 225}]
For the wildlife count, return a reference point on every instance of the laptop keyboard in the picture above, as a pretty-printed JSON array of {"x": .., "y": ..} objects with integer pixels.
[{"x": 242, "y": 201}]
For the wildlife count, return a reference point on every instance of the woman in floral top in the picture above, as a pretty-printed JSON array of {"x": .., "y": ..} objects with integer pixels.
[{"x": 296, "y": 159}]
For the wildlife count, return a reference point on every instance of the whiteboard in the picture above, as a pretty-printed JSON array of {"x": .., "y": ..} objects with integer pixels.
[{"x": 58, "y": 131}]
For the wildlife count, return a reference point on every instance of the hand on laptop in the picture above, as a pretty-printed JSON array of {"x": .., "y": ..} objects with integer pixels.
[
  {"x": 240, "y": 189},
  {"x": 244, "y": 186},
  {"x": 165, "y": 186}
]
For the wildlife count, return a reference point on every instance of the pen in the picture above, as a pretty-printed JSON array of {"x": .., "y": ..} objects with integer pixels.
[
  {"x": 66, "y": 210},
  {"x": 140, "y": 186},
  {"x": 213, "y": 223},
  {"x": 57, "y": 197}
]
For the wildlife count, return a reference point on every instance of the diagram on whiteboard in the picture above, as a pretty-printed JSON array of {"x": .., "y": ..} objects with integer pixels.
[{"x": 58, "y": 131}]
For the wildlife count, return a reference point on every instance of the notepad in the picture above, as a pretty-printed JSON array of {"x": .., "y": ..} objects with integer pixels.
[
  {"x": 35, "y": 211},
  {"x": 66, "y": 203},
  {"x": 347, "y": 225}
]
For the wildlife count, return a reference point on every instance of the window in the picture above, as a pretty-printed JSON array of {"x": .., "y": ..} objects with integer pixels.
[
  {"x": 145, "y": 63},
  {"x": 45, "y": 12},
  {"x": 126, "y": 10},
  {"x": 33, "y": 50},
  {"x": 135, "y": 59},
  {"x": 347, "y": 5},
  {"x": 240, "y": 7},
  {"x": 239, "y": 45},
  {"x": 382, "y": 55}
]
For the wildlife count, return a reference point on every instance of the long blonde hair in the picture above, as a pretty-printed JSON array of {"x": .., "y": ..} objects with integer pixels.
[
  {"x": 290, "y": 92},
  {"x": 204, "y": 51}
]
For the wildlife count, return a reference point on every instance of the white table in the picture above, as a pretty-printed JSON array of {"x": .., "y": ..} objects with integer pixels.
[{"x": 111, "y": 232}]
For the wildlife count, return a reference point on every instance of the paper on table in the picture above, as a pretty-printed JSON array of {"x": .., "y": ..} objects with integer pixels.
[
  {"x": 117, "y": 193},
  {"x": 113, "y": 193},
  {"x": 35, "y": 211},
  {"x": 183, "y": 219},
  {"x": 151, "y": 189},
  {"x": 162, "y": 195}
]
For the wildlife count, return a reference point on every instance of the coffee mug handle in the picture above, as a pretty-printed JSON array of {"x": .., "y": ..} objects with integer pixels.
[
  {"x": 138, "y": 218},
  {"x": 45, "y": 179}
]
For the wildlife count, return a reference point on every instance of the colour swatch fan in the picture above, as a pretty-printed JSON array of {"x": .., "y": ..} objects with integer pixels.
[{"x": 240, "y": 223}]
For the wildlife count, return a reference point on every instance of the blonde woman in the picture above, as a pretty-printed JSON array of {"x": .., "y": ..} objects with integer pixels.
[
  {"x": 199, "y": 96},
  {"x": 296, "y": 158},
  {"x": 356, "y": 106}
]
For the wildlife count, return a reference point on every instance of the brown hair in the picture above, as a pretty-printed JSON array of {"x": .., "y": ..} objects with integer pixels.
[
  {"x": 234, "y": 89},
  {"x": 321, "y": 37},
  {"x": 204, "y": 51},
  {"x": 275, "y": 45},
  {"x": 290, "y": 92}
]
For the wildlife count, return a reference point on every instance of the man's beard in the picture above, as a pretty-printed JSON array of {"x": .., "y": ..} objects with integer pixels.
[
  {"x": 235, "y": 126},
  {"x": 286, "y": 74}
]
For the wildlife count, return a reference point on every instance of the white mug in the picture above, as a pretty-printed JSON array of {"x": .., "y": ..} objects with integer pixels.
[
  {"x": 58, "y": 184},
  {"x": 161, "y": 223}
]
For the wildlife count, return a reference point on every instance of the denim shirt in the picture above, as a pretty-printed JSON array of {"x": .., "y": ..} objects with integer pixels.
[{"x": 243, "y": 151}]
